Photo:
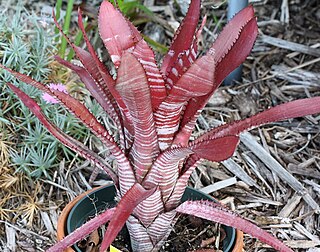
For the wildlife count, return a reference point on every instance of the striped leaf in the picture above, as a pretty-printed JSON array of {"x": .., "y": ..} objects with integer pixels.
[
  {"x": 124, "y": 208},
  {"x": 298, "y": 108},
  {"x": 197, "y": 81},
  {"x": 183, "y": 61},
  {"x": 165, "y": 171},
  {"x": 229, "y": 50},
  {"x": 114, "y": 32},
  {"x": 133, "y": 87},
  {"x": 183, "y": 37},
  {"x": 145, "y": 55}
]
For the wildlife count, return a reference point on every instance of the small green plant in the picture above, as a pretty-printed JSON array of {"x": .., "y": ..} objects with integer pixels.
[{"x": 27, "y": 46}]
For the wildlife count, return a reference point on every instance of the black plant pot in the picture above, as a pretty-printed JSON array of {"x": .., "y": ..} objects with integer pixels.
[{"x": 103, "y": 197}]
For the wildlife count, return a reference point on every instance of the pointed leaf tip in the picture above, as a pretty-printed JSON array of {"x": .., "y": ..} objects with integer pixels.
[
  {"x": 234, "y": 43},
  {"x": 115, "y": 32}
]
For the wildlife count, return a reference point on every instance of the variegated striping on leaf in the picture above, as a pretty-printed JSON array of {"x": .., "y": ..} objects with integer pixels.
[
  {"x": 115, "y": 32},
  {"x": 135, "y": 195},
  {"x": 197, "y": 81},
  {"x": 233, "y": 50},
  {"x": 165, "y": 171},
  {"x": 133, "y": 87},
  {"x": 145, "y": 55},
  {"x": 183, "y": 37},
  {"x": 150, "y": 208}
]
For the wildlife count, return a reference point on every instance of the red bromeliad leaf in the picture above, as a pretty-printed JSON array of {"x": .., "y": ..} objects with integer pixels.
[
  {"x": 217, "y": 149},
  {"x": 115, "y": 32},
  {"x": 140, "y": 239},
  {"x": 126, "y": 205},
  {"x": 133, "y": 87},
  {"x": 145, "y": 55},
  {"x": 81, "y": 112},
  {"x": 95, "y": 68},
  {"x": 229, "y": 50},
  {"x": 98, "y": 68},
  {"x": 128, "y": 38},
  {"x": 149, "y": 238},
  {"x": 230, "y": 34},
  {"x": 217, "y": 213},
  {"x": 182, "y": 64},
  {"x": 149, "y": 209},
  {"x": 83, "y": 231},
  {"x": 179, "y": 188},
  {"x": 161, "y": 227},
  {"x": 95, "y": 90},
  {"x": 28, "y": 80},
  {"x": 65, "y": 139},
  {"x": 124, "y": 167},
  {"x": 102, "y": 77},
  {"x": 240, "y": 48},
  {"x": 184, "y": 36},
  {"x": 165, "y": 171},
  {"x": 184, "y": 60},
  {"x": 197, "y": 81},
  {"x": 281, "y": 112}
]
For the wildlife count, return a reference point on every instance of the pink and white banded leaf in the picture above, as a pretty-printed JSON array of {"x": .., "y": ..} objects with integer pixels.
[
  {"x": 217, "y": 213},
  {"x": 293, "y": 109},
  {"x": 133, "y": 87},
  {"x": 180, "y": 186},
  {"x": 65, "y": 139},
  {"x": 150, "y": 208},
  {"x": 235, "y": 49},
  {"x": 140, "y": 239},
  {"x": 115, "y": 32},
  {"x": 165, "y": 171},
  {"x": 184, "y": 60},
  {"x": 197, "y": 81},
  {"x": 183, "y": 37},
  {"x": 215, "y": 150},
  {"x": 81, "y": 232},
  {"x": 129, "y": 39},
  {"x": 102, "y": 77},
  {"x": 146, "y": 57},
  {"x": 94, "y": 88},
  {"x": 81, "y": 112},
  {"x": 161, "y": 226},
  {"x": 124, "y": 208}
]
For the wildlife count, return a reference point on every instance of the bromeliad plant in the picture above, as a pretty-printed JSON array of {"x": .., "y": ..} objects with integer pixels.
[{"x": 155, "y": 111}]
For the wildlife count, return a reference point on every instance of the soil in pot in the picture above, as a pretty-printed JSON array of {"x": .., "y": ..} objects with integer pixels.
[
  {"x": 192, "y": 233},
  {"x": 189, "y": 233}
]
